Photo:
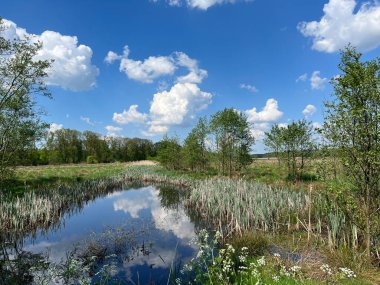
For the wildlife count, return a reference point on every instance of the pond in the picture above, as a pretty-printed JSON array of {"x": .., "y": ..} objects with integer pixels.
[{"x": 144, "y": 232}]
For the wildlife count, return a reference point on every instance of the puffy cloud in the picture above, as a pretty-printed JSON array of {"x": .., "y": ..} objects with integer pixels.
[
  {"x": 317, "y": 82},
  {"x": 113, "y": 131},
  {"x": 249, "y": 87},
  {"x": 309, "y": 110},
  {"x": 302, "y": 77},
  {"x": 263, "y": 119},
  {"x": 130, "y": 116},
  {"x": 340, "y": 25},
  {"x": 153, "y": 67},
  {"x": 55, "y": 127},
  {"x": 145, "y": 71},
  {"x": 176, "y": 106},
  {"x": 169, "y": 107},
  {"x": 72, "y": 68},
  {"x": 270, "y": 113},
  {"x": 195, "y": 75}
]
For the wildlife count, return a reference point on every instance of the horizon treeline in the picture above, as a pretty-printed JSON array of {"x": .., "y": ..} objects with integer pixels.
[{"x": 66, "y": 146}]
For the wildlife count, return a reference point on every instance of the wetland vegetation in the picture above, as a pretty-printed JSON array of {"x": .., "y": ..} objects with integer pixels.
[{"x": 204, "y": 215}]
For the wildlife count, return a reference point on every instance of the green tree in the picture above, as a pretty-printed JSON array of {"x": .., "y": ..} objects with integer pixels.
[
  {"x": 273, "y": 141},
  {"x": 293, "y": 144},
  {"x": 233, "y": 140},
  {"x": 352, "y": 125},
  {"x": 194, "y": 149},
  {"x": 95, "y": 146},
  {"x": 169, "y": 153},
  {"x": 65, "y": 146},
  {"x": 21, "y": 81}
]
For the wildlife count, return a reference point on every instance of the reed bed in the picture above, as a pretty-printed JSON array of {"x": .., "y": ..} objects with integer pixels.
[{"x": 236, "y": 206}]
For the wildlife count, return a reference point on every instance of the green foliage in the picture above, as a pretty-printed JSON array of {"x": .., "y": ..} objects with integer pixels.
[
  {"x": 233, "y": 140},
  {"x": 91, "y": 159},
  {"x": 21, "y": 81},
  {"x": 169, "y": 153},
  {"x": 194, "y": 149},
  {"x": 292, "y": 144},
  {"x": 352, "y": 127}
]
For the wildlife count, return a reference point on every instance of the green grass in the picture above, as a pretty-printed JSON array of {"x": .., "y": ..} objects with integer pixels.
[{"x": 32, "y": 177}]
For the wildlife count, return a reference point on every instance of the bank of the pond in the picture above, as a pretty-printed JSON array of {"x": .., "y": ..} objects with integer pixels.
[
  {"x": 34, "y": 177},
  {"x": 299, "y": 221}
]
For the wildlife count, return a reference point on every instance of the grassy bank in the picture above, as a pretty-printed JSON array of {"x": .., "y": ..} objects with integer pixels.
[{"x": 34, "y": 177}]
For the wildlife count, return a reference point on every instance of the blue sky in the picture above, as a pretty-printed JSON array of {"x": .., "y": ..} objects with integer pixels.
[{"x": 179, "y": 60}]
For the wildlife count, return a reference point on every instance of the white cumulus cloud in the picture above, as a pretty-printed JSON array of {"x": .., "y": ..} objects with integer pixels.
[
  {"x": 309, "y": 110},
  {"x": 171, "y": 106},
  {"x": 154, "y": 67},
  {"x": 317, "y": 82},
  {"x": 145, "y": 71},
  {"x": 341, "y": 24},
  {"x": 130, "y": 116},
  {"x": 177, "y": 106},
  {"x": 270, "y": 113},
  {"x": 263, "y": 119},
  {"x": 72, "y": 67}
]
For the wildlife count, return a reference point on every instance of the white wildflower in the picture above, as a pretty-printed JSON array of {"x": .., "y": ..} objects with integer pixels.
[
  {"x": 261, "y": 261},
  {"x": 326, "y": 269},
  {"x": 348, "y": 272}
]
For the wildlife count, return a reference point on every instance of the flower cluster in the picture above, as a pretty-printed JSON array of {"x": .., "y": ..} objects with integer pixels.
[
  {"x": 227, "y": 265},
  {"x": 326, "y": 269},
  {"x": 348, "y": 273},
  {"x": 342, "y": 273}
]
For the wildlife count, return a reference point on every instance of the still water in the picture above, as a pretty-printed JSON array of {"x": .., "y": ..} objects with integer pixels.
[{"x": 146, "y": 231}]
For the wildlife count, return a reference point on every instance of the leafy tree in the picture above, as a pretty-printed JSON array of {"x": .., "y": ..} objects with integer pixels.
[
  {"x": 21, "y": 81},
  {"x": 352, "y": 125},
  {"x": 169, "y": 153},
  {"x": 273, "y": 140},
  {"x": 233, "y": 140},
  {"x": 194, "y": 149},
  {"x": 95, "y": 146},
  {"x": 293, "y": 144},
  {"x": 65, "y": 146}
]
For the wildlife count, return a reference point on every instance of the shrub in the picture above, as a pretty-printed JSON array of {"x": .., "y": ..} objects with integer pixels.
[{"x": 91, "y": 159}]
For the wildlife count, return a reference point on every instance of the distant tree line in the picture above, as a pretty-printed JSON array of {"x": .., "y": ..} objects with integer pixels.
[{"x": 71, "y": 146}]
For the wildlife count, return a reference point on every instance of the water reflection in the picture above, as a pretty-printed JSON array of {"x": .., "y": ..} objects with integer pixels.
[
  {"x": 147, "y": 228},
  {"x": 162, "y": 206}
]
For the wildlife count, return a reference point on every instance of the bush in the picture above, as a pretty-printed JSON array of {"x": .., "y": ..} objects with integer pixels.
[{"x": 91, "y": 159}]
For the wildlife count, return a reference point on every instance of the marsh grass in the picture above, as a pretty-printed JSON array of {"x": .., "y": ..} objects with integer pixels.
[{"x": 237, "y": 205}]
